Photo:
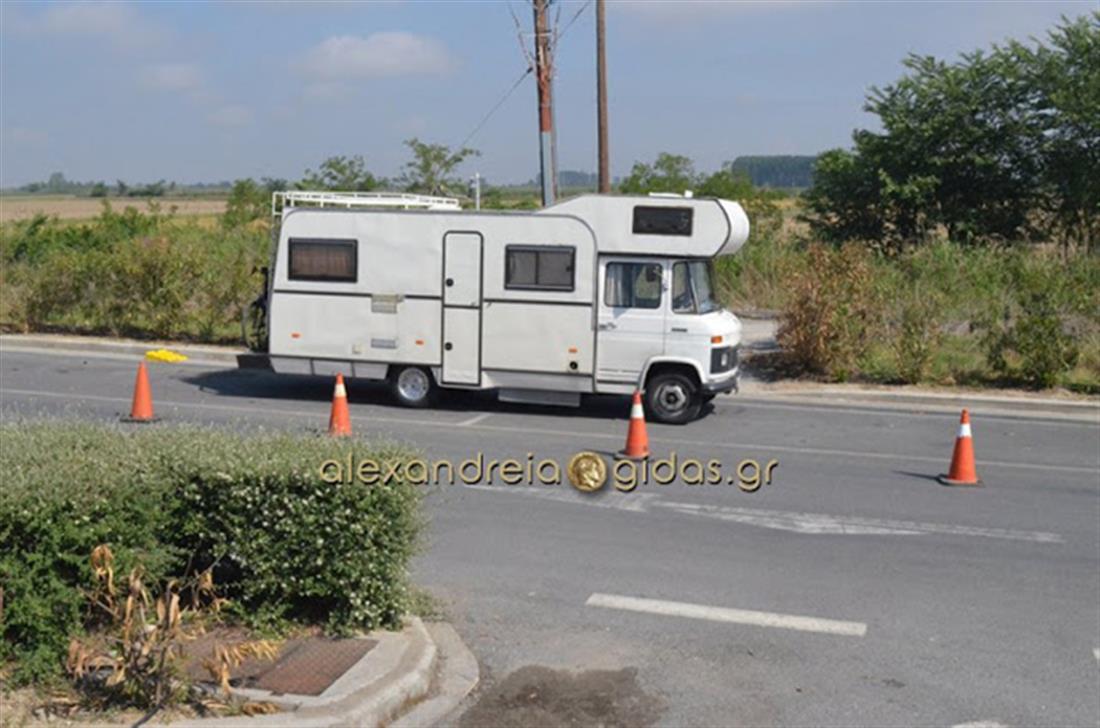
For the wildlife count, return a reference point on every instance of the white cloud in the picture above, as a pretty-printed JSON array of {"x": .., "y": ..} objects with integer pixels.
[
  {"x": 173, "y": 77},
  {"x": 231, "y": 115},
  {"x": 377, "y": 55},
  {"x": 117, "y": 22}
]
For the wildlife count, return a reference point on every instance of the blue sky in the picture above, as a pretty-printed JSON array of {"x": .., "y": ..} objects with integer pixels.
[{"x": 203, "y": 91}]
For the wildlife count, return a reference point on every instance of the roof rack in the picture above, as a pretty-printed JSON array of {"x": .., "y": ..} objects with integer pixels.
[{"x": 350, "y": 200}]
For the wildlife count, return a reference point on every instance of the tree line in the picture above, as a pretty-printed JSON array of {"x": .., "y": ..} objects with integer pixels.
[
  {"x": 999, "y": 146},
  {"x": 430, "y": 171}
]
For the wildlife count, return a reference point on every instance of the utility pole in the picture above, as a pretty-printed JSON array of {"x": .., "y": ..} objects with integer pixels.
[
  {"x": 601, "y": 98},
  {"x": 543, "y": 76}
]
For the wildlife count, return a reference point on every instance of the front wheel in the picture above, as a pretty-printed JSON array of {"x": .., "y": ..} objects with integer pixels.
[
  {"x": 413, "y": 386},
  {"x": 673, "y": 398}
]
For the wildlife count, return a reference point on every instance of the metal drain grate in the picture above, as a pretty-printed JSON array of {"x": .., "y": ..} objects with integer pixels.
[{"x": 311, "y": 666}]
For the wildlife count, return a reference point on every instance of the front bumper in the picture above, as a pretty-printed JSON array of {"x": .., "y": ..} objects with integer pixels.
[{"x": 731, "y": 382}]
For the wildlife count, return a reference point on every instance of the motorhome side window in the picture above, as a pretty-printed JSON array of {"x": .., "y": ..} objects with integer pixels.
[
  {"x": 322, "y": 260},
  {"x": 633, "y": 285},
  {"x": 529, "y": 267}
]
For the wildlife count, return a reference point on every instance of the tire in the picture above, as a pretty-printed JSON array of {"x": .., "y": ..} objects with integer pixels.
[
  {"x": 413, "y": 386},
  {"x": 672, "y": 398}
]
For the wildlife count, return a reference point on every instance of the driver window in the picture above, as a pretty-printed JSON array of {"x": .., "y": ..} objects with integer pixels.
[
  {"x": 682, "y": 299},
  {"x": 632, "y": 285}
]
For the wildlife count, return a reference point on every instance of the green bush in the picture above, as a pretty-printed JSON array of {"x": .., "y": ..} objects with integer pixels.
[
  {"x": 916, "y": 335},
  {"x": 827, "y": 326},
  {"x": 1031, "y": 340},
  {"x": 941, "y": 313},
  {"x": 130, "y": 273},
  {"x": 285, "y": 546}
]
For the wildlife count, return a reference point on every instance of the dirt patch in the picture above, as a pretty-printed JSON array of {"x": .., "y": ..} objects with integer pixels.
[{"x": 540, "y": 696}]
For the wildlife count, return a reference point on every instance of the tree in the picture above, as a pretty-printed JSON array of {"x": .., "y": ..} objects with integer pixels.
[
  {"x": 981, "y": 148},
  {"x": 247, "y": 201},
  {"x": 98, "y": 189},
  {"x": 1065, "y": 76},
  {"x": 786, "y": 171},
  {"x": 432, "y": 166},
  {"x": 668, "y": 173},
  {"x": 57, "y": 183},
  {"x": 346, "y": 174}
]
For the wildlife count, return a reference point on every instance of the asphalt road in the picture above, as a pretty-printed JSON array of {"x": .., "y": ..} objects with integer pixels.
[{"x": 851, "y": 590}]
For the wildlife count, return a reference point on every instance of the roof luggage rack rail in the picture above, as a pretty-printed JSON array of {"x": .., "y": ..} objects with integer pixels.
[{"x": 352, "y": 200}]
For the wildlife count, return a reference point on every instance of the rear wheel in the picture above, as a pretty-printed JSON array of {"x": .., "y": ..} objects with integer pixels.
[
  {"x": 673, "y": 398},
  {"x": 413, "y": 386}
]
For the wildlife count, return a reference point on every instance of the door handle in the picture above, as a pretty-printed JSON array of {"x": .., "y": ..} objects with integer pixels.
[
  {"x": 679, "y": 330},
  {"x": 448, "y": 346},
  {"x": 606, "y": 326},
  {"x": 450, "y": 282}
]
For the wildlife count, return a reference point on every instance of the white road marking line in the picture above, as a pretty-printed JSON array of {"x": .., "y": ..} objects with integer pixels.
[
  {"x": 981, "y": 724},
  {"x": 475, "y": 419},
  {"x": 574, "y": 434},
  {"x": 637, "y": 502},
  {"x": 808, "y": 523},
  {"x": 1096, "y": 653},
  {"x": 159, "y": 403},
  {"x": 821, "y": 523},
  {"x": 724, "y": 614}
]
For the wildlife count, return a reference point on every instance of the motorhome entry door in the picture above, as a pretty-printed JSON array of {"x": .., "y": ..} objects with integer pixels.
[{"x": 462, "y": 308}]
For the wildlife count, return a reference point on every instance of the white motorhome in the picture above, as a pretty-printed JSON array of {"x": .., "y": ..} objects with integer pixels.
[{"x": 596, "y": 294}]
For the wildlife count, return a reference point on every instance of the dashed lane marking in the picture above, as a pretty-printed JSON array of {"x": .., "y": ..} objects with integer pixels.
[
  {"x": 808, "y": 523},
  {"x": 475, "y": 419},
  {"x": 725, "y": 614},
  {"x": 821, "y": 523}
]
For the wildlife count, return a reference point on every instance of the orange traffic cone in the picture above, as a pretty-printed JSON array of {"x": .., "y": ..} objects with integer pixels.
[
  {"x": 339, "y": 422},
  {"x": 637, "y": 441},
  {"x": 142, "y": 408},
  {"x": 962, "y": 470}
]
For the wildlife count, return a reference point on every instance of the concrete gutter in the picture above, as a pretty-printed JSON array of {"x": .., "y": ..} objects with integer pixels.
[
  {"x": 119, "y": 348},
  {"x": 458, "y": 674},
  {"x": 1001, "y": 402}
]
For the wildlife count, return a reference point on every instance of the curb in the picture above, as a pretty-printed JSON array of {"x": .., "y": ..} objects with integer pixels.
[
  {"x": 832, "y": 395},
  {"x": 120, "y": 347},
  {"x": 458, "y": 674},
  {"x": 380, "y": 701},
  {"x": 375, "y": 704}
]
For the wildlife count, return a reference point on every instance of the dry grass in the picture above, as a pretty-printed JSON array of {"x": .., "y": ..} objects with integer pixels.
[{"x": 22, "y": 207}]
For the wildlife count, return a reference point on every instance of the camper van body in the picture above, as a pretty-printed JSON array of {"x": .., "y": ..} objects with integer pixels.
[{"x": 596, "y": 294}]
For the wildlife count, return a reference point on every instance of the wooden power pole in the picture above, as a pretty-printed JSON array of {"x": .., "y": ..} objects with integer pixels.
[
  {"x": 543, "y": 77},
  {"x": 601, "y": 98}
]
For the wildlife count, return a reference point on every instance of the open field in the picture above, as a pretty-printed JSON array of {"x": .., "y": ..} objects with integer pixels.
[{"x": 67, "y": 207}]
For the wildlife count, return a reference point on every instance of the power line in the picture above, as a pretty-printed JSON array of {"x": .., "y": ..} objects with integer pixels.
[
  {"x": 498, "y": 104},
  {"x": 561, "y": 33}
]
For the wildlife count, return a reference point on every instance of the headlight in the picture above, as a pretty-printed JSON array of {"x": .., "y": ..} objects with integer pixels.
[{"x": 723, "y": 359}]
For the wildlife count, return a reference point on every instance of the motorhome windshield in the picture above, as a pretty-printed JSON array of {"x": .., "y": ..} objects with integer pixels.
[{"x": 691, "y": 287}]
